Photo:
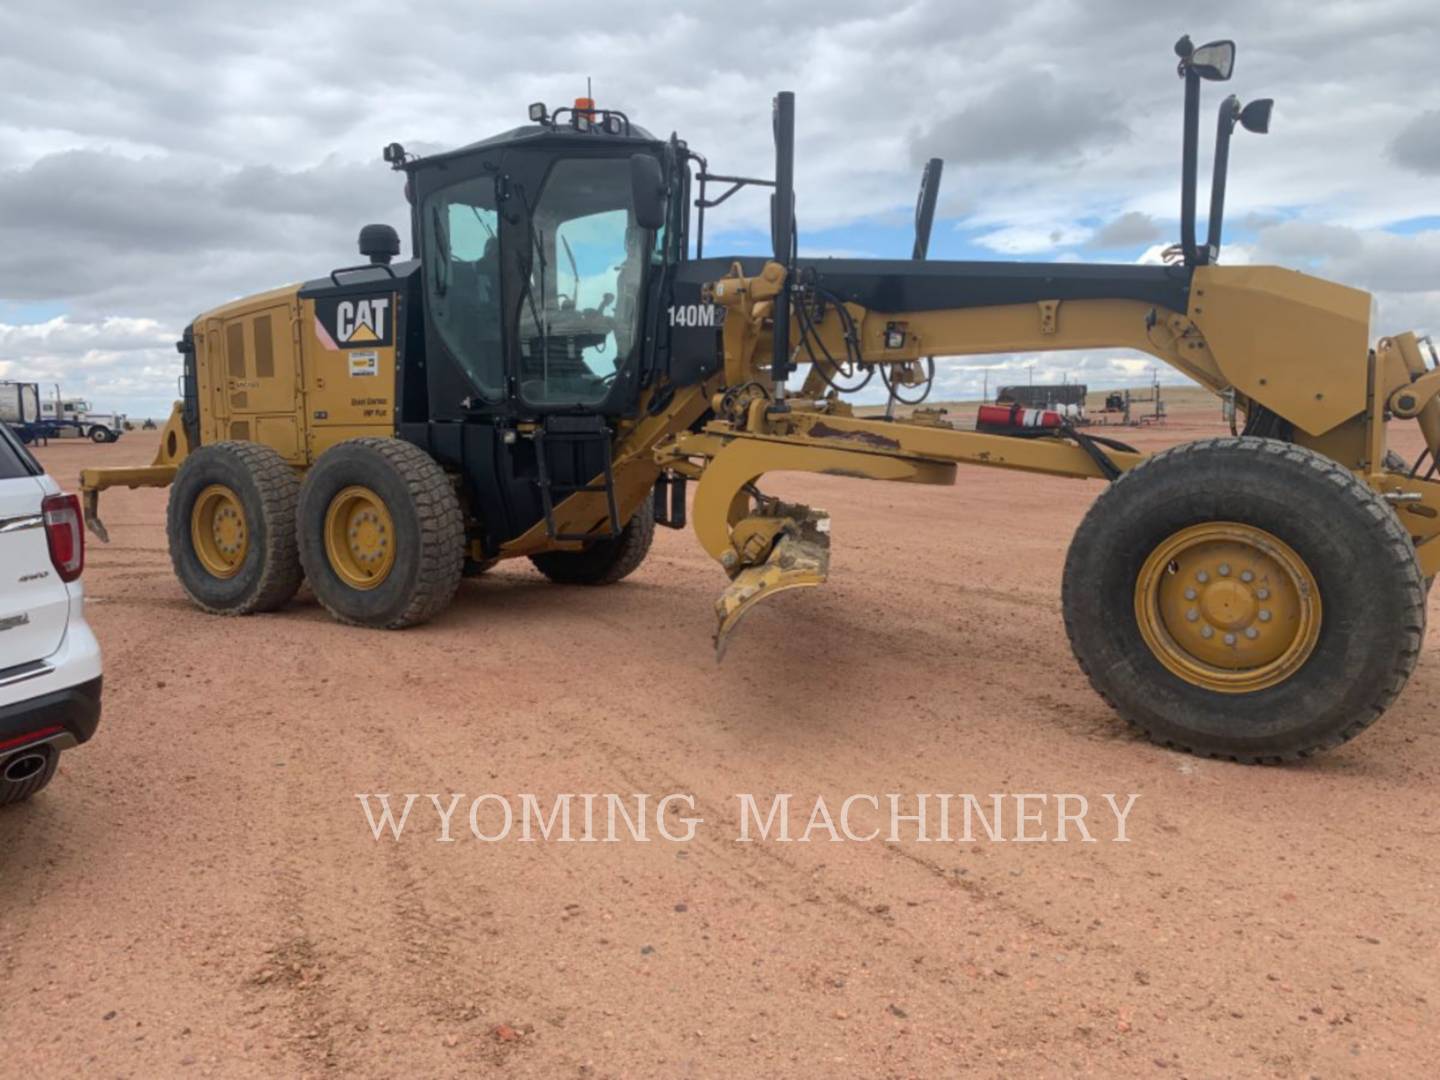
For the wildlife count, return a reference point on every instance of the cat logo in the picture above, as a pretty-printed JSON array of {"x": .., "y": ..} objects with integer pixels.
[
  {"x": 355, "y": 321},
  {"x": 361, "y": 322}
]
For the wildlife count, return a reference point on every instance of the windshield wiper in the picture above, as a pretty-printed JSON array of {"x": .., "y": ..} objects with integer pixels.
[
  {"x": 537, "y": 249},
  {"x": 442, "y": 241},
  {"x": 483, "y": 223},
  {"x": 574, "y": 269}
]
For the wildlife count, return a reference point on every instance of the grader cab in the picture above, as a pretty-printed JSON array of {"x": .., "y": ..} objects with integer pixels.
[{"x": 560, "y": 359}]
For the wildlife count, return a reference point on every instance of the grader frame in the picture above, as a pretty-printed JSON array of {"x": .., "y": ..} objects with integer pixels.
[
  {"x": 714, "y": 407},
  {"x": 730, "y": 454}
]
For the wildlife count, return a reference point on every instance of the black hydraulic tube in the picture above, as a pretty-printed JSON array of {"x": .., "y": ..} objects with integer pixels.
[
  {"x": 1189, "y": 166},
  {"x": 1225, "y": 127},
  {"x": 924, "y": 221},
  {"x": 782, "y": 226},
  {"x": 925, "y": 206}
]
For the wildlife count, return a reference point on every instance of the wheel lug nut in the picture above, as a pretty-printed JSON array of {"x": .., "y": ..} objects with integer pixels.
[
  {"x": 1206, "y": 632},
  {"x": 1224, "y": 569},
  {"x": 1262, "y": 594},
  {"x": 1264, "y": 616},
  {"x": 1192, "y": 615},
  {"x": 1229, "y": 639},
  {"x": 1251, "y": 633},
  {"x": 1246, "y": 575},
  {"x": 1190, "y": 594},
  {"x": 1202, "y": 577}
]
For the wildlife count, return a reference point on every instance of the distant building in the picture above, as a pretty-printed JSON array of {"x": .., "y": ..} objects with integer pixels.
[{"x": 1043, "y": 397}]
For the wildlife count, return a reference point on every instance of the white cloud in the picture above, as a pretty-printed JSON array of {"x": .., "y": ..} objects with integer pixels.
[
  {"x": 1033, "y": 239},
  {"x": 156, "y": 161},
  {"x": 116, "y": 363}
]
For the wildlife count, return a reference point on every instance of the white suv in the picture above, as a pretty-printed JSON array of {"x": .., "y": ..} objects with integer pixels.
[{"x": 49, "y": 659}]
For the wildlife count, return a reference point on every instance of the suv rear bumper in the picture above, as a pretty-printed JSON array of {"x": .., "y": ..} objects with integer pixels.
[{"x": 62, "y": 718}]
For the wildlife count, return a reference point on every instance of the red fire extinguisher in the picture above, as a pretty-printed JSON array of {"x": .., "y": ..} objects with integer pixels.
[{"x": 1015, "y": 420}]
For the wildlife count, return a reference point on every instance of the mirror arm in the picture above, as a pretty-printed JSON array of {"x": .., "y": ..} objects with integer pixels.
[
  {"x": 1189, "y": 165},
  {"x": 1224, "y": 129}
]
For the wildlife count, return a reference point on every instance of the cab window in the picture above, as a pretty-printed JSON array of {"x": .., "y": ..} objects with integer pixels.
[
  {"x": 580, "y": 318},
  {"x": 462, "y": 278}
]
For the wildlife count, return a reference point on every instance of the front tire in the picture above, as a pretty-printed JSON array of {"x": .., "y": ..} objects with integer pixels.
[
  {"x": 382, "y": 538},
  {"x": 1244, "y": 598},
  {"x": 231, "y": 526},
  {"x": 603, "y": 562}
]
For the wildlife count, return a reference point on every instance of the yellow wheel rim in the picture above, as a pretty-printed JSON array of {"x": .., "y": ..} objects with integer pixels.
[
  {"x": 219, "y": 532},
  {"x": 359, "y": 538},
  {"x": 1228, "y": 607}
]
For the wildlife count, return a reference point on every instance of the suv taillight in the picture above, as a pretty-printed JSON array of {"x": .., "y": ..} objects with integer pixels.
[{"x": 65, "y": 531}]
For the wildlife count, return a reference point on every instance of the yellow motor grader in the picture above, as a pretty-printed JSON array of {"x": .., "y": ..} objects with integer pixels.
[{"x": 560, "y": 359}]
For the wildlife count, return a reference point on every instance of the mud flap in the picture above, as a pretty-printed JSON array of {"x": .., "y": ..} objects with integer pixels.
[{"x": 799, "y": 559}]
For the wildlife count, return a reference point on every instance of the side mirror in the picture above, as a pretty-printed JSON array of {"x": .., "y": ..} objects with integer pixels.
[
  {"x": 1256, "y": 116},
  {"x": 1215, "y": 61},
  {"x": 647, "y": 191}
]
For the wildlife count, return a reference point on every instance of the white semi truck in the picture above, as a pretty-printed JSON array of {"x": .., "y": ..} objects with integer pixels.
[
  {"x": 35, "y": 415},
  {"x": 75, "y": 414}
]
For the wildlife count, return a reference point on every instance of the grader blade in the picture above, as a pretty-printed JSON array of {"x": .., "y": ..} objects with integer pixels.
[
  {"x": 174, "y": 447},
  {"x": 91, "y": 502},
  {"x": 800, "y": 559}
]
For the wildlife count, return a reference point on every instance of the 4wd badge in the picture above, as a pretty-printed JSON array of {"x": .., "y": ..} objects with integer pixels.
[{"x": 353, "y": 322}]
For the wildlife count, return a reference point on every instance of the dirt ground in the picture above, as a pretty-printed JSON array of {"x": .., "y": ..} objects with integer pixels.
[{"x": 199, "y": 892}]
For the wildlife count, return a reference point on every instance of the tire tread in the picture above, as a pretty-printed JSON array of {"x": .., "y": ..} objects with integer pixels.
[
  {"x": 442, "y": 532},
  {"x": 608, "y": 561},
  {"x": 1397, "y": 544},
  {"x": 279, "y": 487}
]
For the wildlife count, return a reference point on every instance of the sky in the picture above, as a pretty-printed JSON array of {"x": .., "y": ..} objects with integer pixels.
[{"x": 159, "y": 159}]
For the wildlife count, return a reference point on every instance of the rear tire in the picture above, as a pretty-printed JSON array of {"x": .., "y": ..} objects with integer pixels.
[
  {"x": 1368, "y": 599},
  {"x": 603, "y": 562},
  {"x": 16, "y": 792},
  {"x": 265, "y": 489},
  {"x": 412, "y": 566}
]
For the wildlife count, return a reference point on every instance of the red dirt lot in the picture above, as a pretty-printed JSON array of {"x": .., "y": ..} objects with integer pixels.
[{"x": 199, "y": 892}]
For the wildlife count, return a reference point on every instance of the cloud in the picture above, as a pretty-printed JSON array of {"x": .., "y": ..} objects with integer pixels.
[
  {"x": 1028, "y": 117},
  {"x": 118, "y": 363},
  {"x": 1031, "y": 239},
  {"x": 169, "y": 236},
  {"x": 1129, "y": 230},
  {"x": 1368, "y": 259},
  {"x": 1417, "y": 145},
  {"x": 156, "y": 162}
]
